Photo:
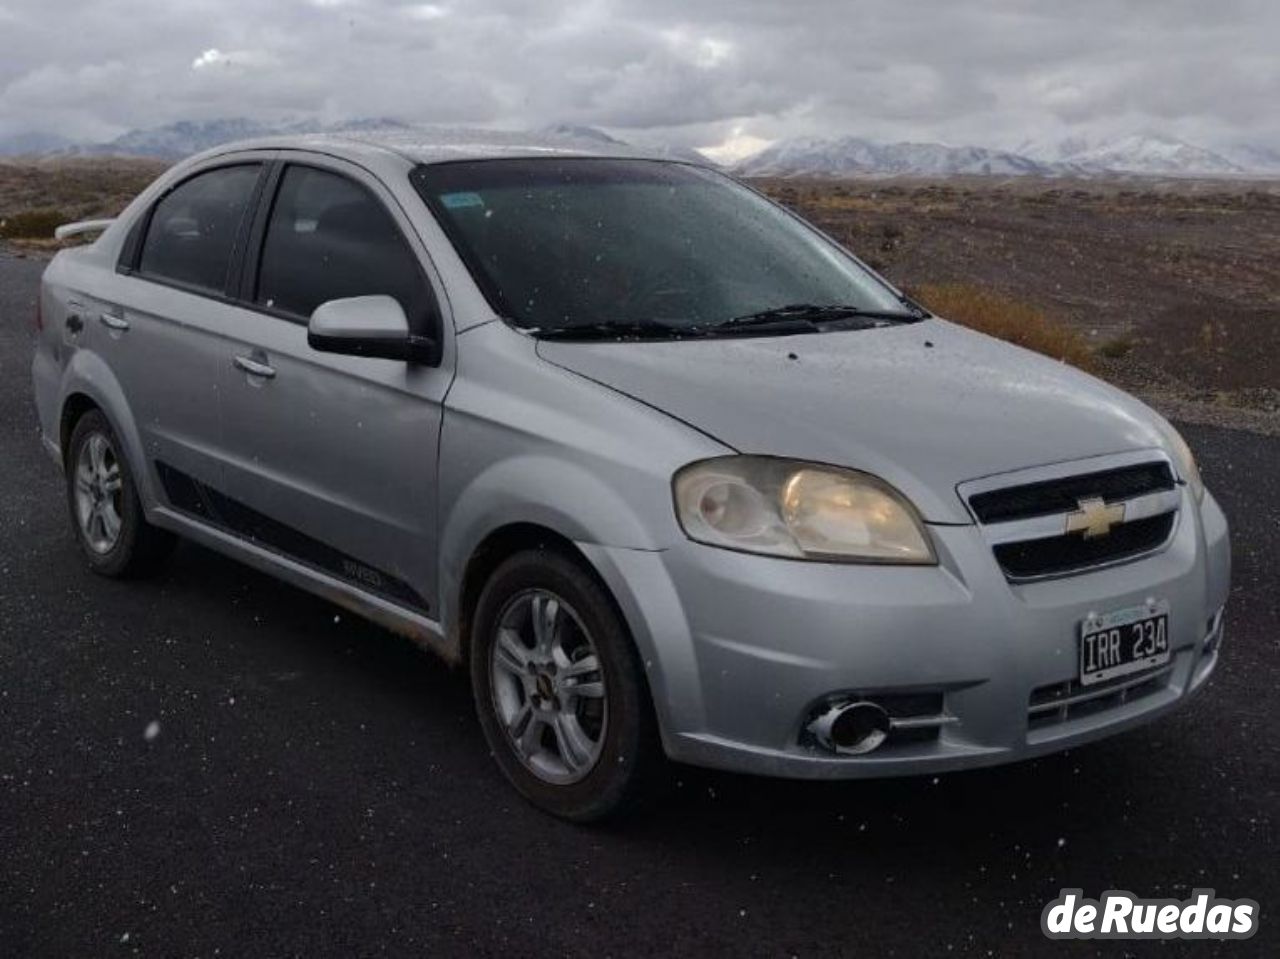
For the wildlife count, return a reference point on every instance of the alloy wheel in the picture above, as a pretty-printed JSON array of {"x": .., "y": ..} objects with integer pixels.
[
  {"x": 99, "y": 491},
  {"x": 548, "y": 687}
]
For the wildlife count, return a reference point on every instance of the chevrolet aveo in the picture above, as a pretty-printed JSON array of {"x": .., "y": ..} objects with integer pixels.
[{"x": 668, "y": 470}]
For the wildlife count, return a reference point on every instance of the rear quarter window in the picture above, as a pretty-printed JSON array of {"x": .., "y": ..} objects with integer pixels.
[{"x": 193, "y": 229}]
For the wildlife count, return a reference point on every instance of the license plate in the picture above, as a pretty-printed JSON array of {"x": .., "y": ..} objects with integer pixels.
[{"x": 1126, "y": 641}]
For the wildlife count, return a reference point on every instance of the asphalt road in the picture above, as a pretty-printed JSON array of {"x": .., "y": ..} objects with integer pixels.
[{"x": 320, "y": 787}]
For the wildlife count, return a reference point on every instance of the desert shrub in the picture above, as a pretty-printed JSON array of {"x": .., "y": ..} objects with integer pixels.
[
  {"x": 890, "y": 237},
  {"x": 1115, "y": 348},
  {"x": 32, "y": 224},
  {"x": 1008, "y": 319}
]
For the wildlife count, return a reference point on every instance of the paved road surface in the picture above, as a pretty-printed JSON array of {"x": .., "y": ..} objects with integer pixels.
[{"x": 319, "y": 787}]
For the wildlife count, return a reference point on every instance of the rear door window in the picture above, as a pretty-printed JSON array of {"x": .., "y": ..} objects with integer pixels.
[
  {"x": 329, "y": 238},
  {"x": 194, "y": 228}
]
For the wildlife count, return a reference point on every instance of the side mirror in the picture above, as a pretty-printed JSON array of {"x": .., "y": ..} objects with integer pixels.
[{"x": 368, "y": 326}]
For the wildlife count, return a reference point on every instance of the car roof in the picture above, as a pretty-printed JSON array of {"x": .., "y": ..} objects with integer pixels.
[{"x": 444, "y": 145}]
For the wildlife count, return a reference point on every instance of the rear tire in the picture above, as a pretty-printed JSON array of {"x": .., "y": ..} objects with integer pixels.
[
  {"x": 560, "y": 690},
  {"x": 106, "y": 514}
]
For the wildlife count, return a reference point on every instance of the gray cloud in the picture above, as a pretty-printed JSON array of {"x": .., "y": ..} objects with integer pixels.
[{"x": 997, "y": 72}]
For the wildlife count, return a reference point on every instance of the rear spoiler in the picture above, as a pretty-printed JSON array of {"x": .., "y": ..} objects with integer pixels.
[{"x": 68, "y": 230}]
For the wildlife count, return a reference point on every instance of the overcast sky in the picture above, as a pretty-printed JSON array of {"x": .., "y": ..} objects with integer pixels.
[{"x": 692, "y": 72}]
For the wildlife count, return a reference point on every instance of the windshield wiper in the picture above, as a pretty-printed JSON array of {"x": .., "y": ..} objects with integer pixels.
[
  {"x": 782, "y": 320},
  {"x": 810, "y": 315}
]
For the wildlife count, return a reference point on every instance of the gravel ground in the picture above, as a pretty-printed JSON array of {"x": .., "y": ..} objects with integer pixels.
[{"x": 1180, "y": 275}]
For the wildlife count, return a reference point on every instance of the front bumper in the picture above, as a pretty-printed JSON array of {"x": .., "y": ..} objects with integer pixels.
[{"x": 741, "y": 649}]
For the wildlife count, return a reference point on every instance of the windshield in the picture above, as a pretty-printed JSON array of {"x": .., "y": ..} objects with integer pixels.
[{"x": 603, "y": 244}]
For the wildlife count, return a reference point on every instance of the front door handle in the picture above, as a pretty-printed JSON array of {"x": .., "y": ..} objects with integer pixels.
[
  {"x": 113, "y": 322},
  {"x": 255, "y": 367}
]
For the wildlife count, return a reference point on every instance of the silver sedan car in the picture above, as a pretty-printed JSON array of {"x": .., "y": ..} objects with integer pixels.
[{"x": 671, "y": 473}]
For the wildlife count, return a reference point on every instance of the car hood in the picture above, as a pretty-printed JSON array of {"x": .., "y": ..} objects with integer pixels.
[{"x": 925, "y": 406}]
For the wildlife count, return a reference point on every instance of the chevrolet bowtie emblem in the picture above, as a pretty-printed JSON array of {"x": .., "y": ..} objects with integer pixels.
[{"x": 1095, "y": 518}]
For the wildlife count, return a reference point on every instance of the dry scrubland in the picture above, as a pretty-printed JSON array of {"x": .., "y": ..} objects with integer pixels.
[
  {"x": 37, "y": 196},
  {"x": 1170, "y": 288}
]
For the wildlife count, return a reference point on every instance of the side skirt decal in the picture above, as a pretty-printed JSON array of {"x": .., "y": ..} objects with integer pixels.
[{"x": 205, "y": 503}]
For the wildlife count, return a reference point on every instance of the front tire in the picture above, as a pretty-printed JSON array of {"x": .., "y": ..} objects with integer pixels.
[
  {"x": 560, "y": 691},
  {"x": 106, "y": 514}
]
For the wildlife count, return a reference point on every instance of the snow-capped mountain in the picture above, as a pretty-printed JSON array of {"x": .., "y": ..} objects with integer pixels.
[
  {"x": 1255, "y": 159},
  {"x": 1137, "y": 153},
  {"x": 1053, "y": 151},
  {"x": 180, "y": 139},
  {"x": 1077, "y": 156},
  {"x": 583, "y": 134},
  {"x": 849, "y": 156},
  {"x": 573, "y": 131},
  {"x": 176, "y": 140}
]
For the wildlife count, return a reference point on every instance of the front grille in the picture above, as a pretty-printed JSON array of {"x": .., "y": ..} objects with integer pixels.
[
  {"x": 1062, "y": 702},
  {"x": 1063, "y": 495},
  {"x": 1072, "y": 551},
  {"x": 1028, "y": 522}
]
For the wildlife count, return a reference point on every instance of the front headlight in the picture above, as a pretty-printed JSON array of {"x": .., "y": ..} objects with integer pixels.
[
  {"x": 778, "y": 507},
  {"x": 1187, "y": 467}
]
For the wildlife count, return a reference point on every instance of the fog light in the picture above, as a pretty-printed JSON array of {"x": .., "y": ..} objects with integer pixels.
[
  {"x": 851, "y": 729},
  {"x": 1213, "y": 633}
]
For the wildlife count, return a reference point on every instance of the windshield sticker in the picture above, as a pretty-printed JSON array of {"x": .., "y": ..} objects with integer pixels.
[{"x": 459, "y": 201}]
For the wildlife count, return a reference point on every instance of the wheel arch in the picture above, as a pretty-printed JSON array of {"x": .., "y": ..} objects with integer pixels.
[
  {"x": 489, "y": 553},
  {"x": 88, "y": 384},
  {"x": 74, "y": 407},
  {"x": 518, "y": 499}
]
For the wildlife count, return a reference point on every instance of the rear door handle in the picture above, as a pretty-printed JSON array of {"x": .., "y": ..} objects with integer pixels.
[
  {"x": 255, "y": 367},
  {"x": 113, "y": 322}
]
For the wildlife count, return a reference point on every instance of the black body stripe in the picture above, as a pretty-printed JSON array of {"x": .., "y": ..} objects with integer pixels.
[{"x": 191, "y": 496}]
